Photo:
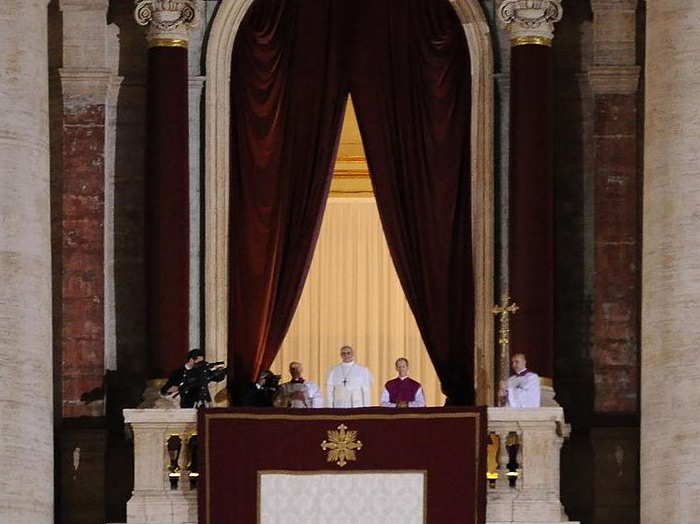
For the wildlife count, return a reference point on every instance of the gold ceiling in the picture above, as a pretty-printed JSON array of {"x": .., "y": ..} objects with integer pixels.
[{"x": 350, "y": 173}]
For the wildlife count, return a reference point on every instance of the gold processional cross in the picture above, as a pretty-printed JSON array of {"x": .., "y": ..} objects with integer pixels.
[{"x": 503, "y": 311}]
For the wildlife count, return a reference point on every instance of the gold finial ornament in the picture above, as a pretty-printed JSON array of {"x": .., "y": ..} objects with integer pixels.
[
  {"x": 504, "y": 311},
  {"x": 341, "y": 445}
]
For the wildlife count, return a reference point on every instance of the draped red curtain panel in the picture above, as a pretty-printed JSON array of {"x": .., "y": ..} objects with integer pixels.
[{"x": 406, "y": 65}]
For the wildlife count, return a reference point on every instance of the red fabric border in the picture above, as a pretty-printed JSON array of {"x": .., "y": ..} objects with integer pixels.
[{"x": 449, "y": 443}]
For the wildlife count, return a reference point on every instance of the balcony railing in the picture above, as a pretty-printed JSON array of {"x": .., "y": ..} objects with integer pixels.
[{"x": 523, "y": 465}]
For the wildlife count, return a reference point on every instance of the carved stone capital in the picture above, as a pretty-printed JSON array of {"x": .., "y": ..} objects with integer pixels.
[
  {"x": 168, "y": 22},
  {"x": 530, "y": 21}
]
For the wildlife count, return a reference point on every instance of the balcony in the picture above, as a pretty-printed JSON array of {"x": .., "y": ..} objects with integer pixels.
[{"x": 523, "y": 466}]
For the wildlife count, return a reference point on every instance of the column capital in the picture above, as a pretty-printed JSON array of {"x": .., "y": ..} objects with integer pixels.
[
  {"x": 530, "y": 21},
  {"x": 168, "y": 22}
]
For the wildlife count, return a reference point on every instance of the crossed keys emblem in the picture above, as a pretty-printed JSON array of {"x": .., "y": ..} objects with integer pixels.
[{"x": 341, "y": 445}]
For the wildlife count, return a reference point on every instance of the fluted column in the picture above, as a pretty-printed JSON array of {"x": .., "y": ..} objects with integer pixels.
[
  {"x": 670, "y": 390},
  {"x": 531, "y": 249},
  {"x": 168, "y": 25},
  {"x": 26, "y": 407}
]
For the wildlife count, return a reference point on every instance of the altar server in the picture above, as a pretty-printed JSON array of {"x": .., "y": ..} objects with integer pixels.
[
  {"x": 403, "y": 391},
  {"x": 523, "y": 388}
]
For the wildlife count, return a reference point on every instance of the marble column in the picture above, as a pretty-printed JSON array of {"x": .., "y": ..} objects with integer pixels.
[
  {"x": 670, "y": 389},
  {"x": 26, "y": 407},
  {"x": 167, "y": 180},
  {"x": 531, "y": 210}
]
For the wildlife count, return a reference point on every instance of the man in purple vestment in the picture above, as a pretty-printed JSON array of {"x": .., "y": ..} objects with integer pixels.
[{"x": 403, "y": 391}]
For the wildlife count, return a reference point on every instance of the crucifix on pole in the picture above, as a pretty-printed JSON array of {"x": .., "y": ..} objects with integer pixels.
[{"x": 504, "y": 310}]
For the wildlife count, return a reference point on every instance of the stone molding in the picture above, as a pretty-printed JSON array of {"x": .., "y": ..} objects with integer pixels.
[
  {"x": 614, "y": 5},
  {"x": 530, "y": 21},
  {"x": 94, "y": 83},
  {"x": 611, "y": 80},
  {"x": 84, "y": 5},
  {"x": 168, "y": 22}
]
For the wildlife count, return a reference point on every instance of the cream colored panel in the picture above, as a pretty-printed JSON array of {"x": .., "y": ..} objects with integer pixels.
[{"x": 353, "y": 296}]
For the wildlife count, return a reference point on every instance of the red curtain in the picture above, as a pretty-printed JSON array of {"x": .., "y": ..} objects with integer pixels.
[
  {"x": 287, "y": 107},
  {"x": 405, "y": 62},
  {"x": 411, "y": 87}
]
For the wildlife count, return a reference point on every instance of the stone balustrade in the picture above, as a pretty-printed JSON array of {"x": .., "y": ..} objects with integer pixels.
[
  {"x": 524, "y": 465},
  {"x": 163, "y": 491}
]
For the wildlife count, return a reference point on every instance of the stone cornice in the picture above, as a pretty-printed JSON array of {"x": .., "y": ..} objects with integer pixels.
[
  {"x": 614, "y": 5},
  {"x": 84, "y": 5},
  {"x": 530, "y": 21},
  {"x": 609, "y": 80},
  {"x": 92, "y": 83},
  {"x": 168, "y": 22}
]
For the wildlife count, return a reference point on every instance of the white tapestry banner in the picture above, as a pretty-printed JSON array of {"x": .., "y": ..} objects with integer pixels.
[{"x": 342, "y": 498}]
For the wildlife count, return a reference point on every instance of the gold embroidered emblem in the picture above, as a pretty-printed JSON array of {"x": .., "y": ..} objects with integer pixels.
[{"x": 341, "y": 445}]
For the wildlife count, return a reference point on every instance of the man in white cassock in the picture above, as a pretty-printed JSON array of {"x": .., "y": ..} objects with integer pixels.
[
  {"x": 298, "y": 392},
  {"x": 522, "y": 390},
  {"x": 348, "y": 383}
]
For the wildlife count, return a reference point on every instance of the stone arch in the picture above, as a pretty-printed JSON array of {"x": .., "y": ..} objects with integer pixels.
[{"x": 216, "y": 186}]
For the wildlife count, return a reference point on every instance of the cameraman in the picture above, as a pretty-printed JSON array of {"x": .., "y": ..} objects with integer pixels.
[
  {"x": 188, "y": 397},
  {"x": 259, "y": 394}
]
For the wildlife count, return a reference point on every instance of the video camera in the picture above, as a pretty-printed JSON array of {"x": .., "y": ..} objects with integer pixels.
[{"x": 195, "y": 381}]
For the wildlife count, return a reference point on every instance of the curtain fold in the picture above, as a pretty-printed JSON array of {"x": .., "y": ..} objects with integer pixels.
[
  {"x": 411, "y": 87},
  {"x": 406, "y": 65},
  {"x": 287, "y": 104}
]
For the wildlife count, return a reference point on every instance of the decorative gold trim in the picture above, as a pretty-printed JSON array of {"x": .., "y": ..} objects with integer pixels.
[
  {"x": 546, "y": 381},
  {"x": 368, "y": 416},
  {"x": 156, "y": 383},
  {"x": 167, "y": 42},
  {"x": 341, "y": 445},
  {"x": 530, "y": 40}
]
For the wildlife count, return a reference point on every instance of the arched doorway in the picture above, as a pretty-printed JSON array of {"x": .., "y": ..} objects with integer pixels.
[{"x": 219, "y": 50}]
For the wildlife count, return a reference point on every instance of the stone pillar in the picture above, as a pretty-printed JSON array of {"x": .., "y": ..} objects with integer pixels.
[
  {"x": 26, "y": 407},
  {"x": 531, "y": 214},
  {"x": 670, "y": 389},
  {"x": 88, "y": 82},
  {"x": 167, "y": 180},
  {"x": 613, "y": 79}
]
